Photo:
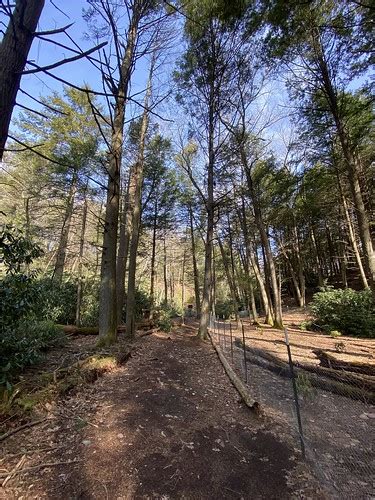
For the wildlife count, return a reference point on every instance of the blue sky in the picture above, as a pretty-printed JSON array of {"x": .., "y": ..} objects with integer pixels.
[{"x": 44, "y": 53}]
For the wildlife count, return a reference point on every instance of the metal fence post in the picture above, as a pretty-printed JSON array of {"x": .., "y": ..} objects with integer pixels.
[
  {"x": 295, "y": 392},
  {"x": 244, "y": 350}
]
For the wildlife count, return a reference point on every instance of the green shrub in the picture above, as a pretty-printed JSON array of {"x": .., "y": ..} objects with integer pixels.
[
  {"x": 163, "y": 320},
  {"x": 224, "y": 309},
  {"x": 24, "y": 332},
  {"x": 22, "y": 346},
  {"x": 90, "y": 303},
  {"x": 346, "y": 311}
]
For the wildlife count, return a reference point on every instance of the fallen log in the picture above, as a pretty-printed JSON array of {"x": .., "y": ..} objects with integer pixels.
[
  {"x": 330, "y": 361},
  {"x": 85, "y": 330},
  {"x": 361, "y": 381},
  {"x": 149, "y": 332},
  {"x": 238, "y": 384},
  {"x": 339, "y": 383}
]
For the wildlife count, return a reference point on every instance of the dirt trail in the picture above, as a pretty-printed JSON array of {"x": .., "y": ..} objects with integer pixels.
[{"x": 166, "y": 425}]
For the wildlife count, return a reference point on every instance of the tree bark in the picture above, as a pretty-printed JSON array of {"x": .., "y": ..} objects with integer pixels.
[
  {"x": 14, "y": 50},
  {"x": 230, "y": 277},
  {"x": 251, "y": 258},
  {"x": 352, "y": 237},
  {"x": 108, "y": 295},
  {"x": 195, "y": 266},
  {"x": 207, "y": 280},
  {"x": 138, "y": 176},
  {"x": 278, "y": 323},
  {"x": 126, "y": 221},
  {"x": 153, "y": 258},
  {"x": 80, "y": 262},
  {"x": 165, "y": 274},
  {"x": 183, "y": 288}
]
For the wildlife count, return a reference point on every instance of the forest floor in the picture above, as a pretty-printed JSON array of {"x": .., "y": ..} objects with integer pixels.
[{"x": 166, "y": 424}]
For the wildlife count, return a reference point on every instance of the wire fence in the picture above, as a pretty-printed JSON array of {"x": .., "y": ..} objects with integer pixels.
[{"x": 320, "y": 389}]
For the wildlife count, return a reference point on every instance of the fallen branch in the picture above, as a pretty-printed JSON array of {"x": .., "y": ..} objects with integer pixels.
[
  {"x": 238, "y": 384},
  {"x": 149, "y": 332},
  {"x": 21, "y": 428},
  {"x": 14, "y": 471},
  {"x": 40, "y": 466}
]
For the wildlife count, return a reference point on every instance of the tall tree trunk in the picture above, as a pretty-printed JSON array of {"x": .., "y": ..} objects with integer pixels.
[
  {"x": 195, "y": 266},
  {"x": 278, "y": 323},
  {"x": 165, "y": 274},
  {"x": 80, "y": 262},
  {"x": 210, "y": 207},
  {"x": 126, "y": 220},
  {"x": 300, "y": 264},
  {"x": 183, "y": 288},
  {"x": 14, "y": 50},
  {"x": 99, "y": 227},
  {"x": 230, "y": 277},
  {"x": 245, "y": 264},
  {"x": 318, "y": 260},
  {"x": 351, "y": 234},
  {"x": 351, "y": 159},
  {"x": 153, "y": 258},
  {"x": 108, "y": 295},
  {"x": 251, "y": 258},
  {"x": 296, "y": 284},
  {"x": 138, "y": 173},
  {"x": 64, "y": 234}
]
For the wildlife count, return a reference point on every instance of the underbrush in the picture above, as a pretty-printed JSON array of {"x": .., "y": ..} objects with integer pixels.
[
  {"x": 23, "y": 346},
  {"x": 48, "y": 386},
  {"x": 345, "y": 312}
]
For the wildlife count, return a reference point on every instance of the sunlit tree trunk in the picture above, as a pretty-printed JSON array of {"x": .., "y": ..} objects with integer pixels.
[
  {"x": 230, "y": 277},
  {"x": 207, "y": 280},
  {"x": 138, "y": 176},
  {"x": 278, "y": 320},
  {"x": 165, "y": 271},
  {"x": 126, "y": 223},
  {"x": 153, "y": 258},
  {"x": 352, "y": 237},
  {"x": 254, "y": 264},
  {"x": 108, "y": 296},
  {"x": 80, "y": 262},
  {"x": 195, "y": 265},
  {"x": 183, "y": 288}
]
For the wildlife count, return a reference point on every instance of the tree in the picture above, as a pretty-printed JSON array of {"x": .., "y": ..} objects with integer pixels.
[
  {"x": 315, "y": 40},
  {"x": 204, "y": 76},
  {"x": 67, "y": 134},
  {"x": 14, "y": 50}
]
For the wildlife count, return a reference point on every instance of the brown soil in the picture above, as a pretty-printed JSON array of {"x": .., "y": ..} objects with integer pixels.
[
  {"x": 338, "y": 430},
  {"x": 168, "y": 424}
]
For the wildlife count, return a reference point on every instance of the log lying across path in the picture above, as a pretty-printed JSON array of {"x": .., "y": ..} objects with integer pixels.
[
  {"x": 355, "y": 386},
  {"x": 238, "y": 384}
]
